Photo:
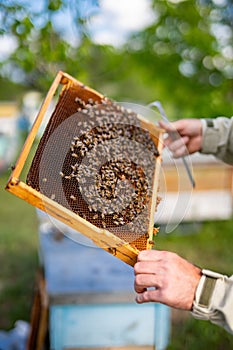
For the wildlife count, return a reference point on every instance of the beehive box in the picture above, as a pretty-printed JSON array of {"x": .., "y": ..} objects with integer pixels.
[
  {"x": 96, "y": 168},
  {"x": 9, "y": 134},
  {"x": 91, "y": 299},
  {"x": 181, "y": 203}
]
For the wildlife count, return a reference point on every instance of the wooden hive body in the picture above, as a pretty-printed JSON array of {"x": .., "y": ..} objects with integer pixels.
[{"x": 47, "y": 189}]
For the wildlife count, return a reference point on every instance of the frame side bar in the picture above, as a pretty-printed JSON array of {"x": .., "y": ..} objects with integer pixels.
[{"x": 31, "y": 136}]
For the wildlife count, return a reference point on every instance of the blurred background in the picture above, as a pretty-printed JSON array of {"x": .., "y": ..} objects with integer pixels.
[{"x": 176, "y": 51}]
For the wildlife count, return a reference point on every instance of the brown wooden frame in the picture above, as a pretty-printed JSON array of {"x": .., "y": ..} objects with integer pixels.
[{"x": 101, "y": 237}]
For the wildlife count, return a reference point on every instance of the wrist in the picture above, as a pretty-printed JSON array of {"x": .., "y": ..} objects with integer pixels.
[
  {"x": 196, "y": 277},
  {"x": 210, "y": 136}
]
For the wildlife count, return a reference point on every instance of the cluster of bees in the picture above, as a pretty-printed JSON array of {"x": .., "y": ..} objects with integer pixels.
[{"x": 109, "y": 169}]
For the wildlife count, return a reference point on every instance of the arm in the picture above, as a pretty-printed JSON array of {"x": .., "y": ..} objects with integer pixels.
[
  {"x": 177, "y": 283},
  {"x": 209, "y": 136}
]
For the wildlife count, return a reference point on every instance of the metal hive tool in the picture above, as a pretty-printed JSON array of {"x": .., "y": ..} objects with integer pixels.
[{"x": 96, "y": 169}]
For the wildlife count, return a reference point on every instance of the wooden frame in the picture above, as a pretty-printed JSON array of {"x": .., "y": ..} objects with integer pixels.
[
  {"x": 39, "y": 315},
  {"x": 102, "y": 237}
]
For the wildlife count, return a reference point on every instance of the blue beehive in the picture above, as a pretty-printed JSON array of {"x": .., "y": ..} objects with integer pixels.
[{"x": 92, "y": 300}]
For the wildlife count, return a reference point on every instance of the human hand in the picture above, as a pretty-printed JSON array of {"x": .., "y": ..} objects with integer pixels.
[
  {"x": 190, "y": 141},
  {"x": 174, "y": 279}
]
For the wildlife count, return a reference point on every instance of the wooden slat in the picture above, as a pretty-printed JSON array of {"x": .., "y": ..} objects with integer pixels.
[
  {"x": 103, "y": 238},
  {"x": 157, "y": 136},
  {"x": 66, "y": 78},
  {"x": 213, "y": 177},
  {"x": 39, "y": 316},
  {"x": 207, "y": 177},
  {"x": 92, "y": 298},
  {"x": 31, "y": 136}
]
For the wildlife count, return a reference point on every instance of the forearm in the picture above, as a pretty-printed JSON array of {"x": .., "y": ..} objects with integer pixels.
[
  {"x": 218, "y": 138},
  {"x": 215, "y": 305}
]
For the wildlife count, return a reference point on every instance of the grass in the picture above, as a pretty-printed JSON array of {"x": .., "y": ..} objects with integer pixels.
[
  {"x": 18, "y": 257},
  {"x": 208, "y": 245}
]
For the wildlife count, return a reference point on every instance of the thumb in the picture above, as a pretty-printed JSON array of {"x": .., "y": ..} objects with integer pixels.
[{"x": 169, "y": 127}]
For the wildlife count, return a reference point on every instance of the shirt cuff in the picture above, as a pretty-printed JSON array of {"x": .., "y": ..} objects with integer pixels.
[
  {"x": 202, "y": 303},
  {"x": 210, "y": 134}
]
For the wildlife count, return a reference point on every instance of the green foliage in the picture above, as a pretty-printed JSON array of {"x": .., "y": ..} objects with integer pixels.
[
  {"x": 54, "y": 5},
  {"x": 177, "y": 60},
  {"x": 42, "y": 51},
  {"x": 11, "y": 91},
  {"x": 173, "y": 52},
  {"x": 212, "y": 242}
]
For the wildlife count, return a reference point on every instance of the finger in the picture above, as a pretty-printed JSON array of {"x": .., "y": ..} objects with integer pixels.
[
  {"x": 145, "y": 281},
  {"x": 182, "y": 151},
  {"x": 146, "y": 267},
  {"x": 169, "y": 127},
  {"x": 148, "y": 255},
  {"x": 176, "y": 127},
  {"x": 147, "y": 296},
  {"x": 173, "y": 145},
  {"x": 151, "y": 255},
  {"x": 139, "y": 290},
  {"x": 167, "y": 140}
]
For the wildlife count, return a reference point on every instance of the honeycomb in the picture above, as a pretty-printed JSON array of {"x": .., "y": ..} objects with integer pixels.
[{"x": 96, "y": 159}]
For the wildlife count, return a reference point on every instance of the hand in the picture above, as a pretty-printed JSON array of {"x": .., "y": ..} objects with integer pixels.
[
  {"x": 190, "y": 141},
  {"x": 174, "y": 279}
]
